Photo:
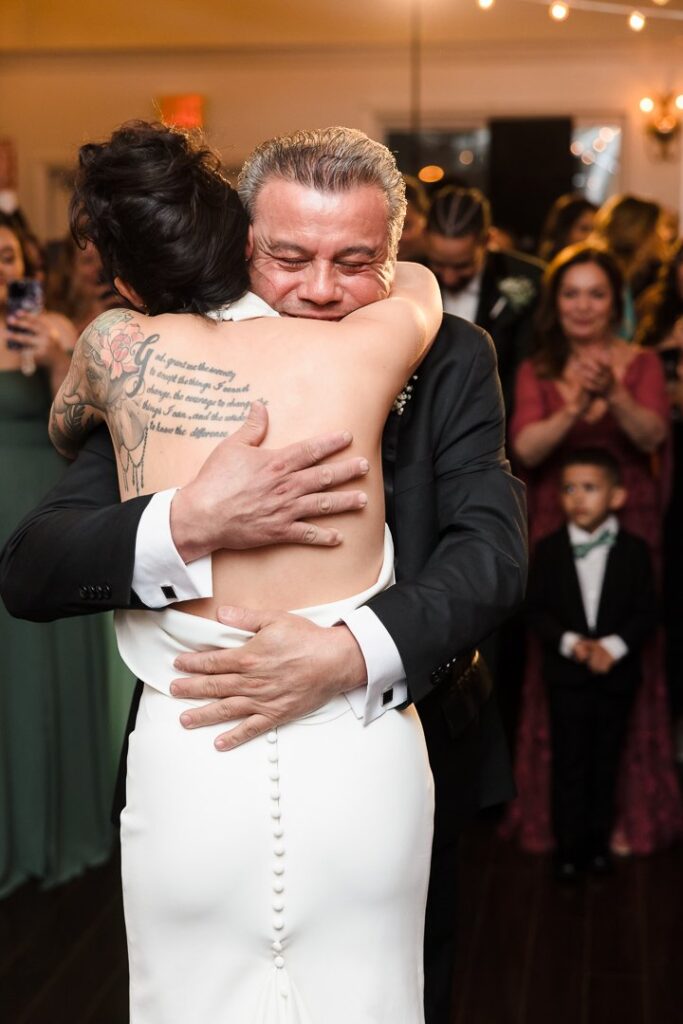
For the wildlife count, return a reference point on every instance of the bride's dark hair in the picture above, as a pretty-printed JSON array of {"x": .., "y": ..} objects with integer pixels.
[{"x": 155, "y": 203}]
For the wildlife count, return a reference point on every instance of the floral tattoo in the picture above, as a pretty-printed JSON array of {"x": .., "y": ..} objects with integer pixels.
[{"x": 107, "y": 373}]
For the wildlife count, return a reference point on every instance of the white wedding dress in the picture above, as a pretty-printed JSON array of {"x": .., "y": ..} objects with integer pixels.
[{"x": 283, "y": 882}]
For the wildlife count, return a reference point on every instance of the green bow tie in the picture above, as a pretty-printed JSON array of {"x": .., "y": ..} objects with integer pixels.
[{"x": 607, "y": 539}]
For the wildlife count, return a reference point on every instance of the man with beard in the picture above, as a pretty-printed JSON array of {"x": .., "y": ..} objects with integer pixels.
[{"x": 497, "y": 290}]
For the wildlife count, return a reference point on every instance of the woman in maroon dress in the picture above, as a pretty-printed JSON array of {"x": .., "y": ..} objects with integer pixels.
[{"x": 586, "y": 388}]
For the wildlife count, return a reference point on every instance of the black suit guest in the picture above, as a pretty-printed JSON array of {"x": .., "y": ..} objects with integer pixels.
[
  {"x": 458, "y": 522},
  {"x": 592, "y": 603},
  {"x": 495, "y": 289}
]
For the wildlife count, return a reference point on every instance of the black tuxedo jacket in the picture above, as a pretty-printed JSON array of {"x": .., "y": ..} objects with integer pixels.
[
  {"x": 627, "y": 607},
  {"x": 510, "y": 326},
  {"x": 459, "y": 528}
]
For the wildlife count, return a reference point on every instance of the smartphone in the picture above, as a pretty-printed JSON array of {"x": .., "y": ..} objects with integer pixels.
[
  {"x": 670, "y": 358},
  {"x": 27, "y": 295}
]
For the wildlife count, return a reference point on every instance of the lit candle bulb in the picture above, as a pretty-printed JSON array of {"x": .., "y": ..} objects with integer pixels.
[
  {"x": 559, "y": 11},
  {"x": 636, "y": 21}
]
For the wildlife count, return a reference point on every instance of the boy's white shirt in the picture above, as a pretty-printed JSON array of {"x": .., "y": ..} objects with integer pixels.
[
  {"x": 160, "y": 578},
  {"x": 591, "y": 573}
]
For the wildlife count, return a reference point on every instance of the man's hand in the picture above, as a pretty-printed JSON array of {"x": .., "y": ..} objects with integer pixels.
[
  {"x": 245, "y": 496},
  {"x": 600, "y": 661},
  {"x": 288, "y": 669}
]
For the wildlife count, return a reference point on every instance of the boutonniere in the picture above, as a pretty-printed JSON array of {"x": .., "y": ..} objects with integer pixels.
[
  {"x": 403, "y": 397},
  {"x": 519, "y": 291}
]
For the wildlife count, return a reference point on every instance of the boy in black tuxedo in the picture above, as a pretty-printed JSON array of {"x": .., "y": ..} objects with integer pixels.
[{"x": 591, "y": 601}]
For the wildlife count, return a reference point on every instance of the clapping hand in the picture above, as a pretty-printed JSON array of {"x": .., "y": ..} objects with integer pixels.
[{"x": 596, "y": 376}]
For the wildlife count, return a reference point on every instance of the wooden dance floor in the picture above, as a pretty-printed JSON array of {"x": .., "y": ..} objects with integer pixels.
[{"x": 530, "y": 952}]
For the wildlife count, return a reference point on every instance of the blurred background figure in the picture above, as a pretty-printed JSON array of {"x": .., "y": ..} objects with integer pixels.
[
  {"x": 585, "y": 387},
  {"x": 76, "y": 285},
  {"x": 569, "y": 221},
  {"x": 629, "y": 228},
  {"x": 56, "y": 771},
  {"x": 412, "y": 243},
  {"x": 498, "y": 290},
  {"x": 661, "y": 328}
]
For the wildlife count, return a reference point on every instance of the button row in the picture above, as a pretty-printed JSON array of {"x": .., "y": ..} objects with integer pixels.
[
  {"x": 278, "y": 886},
  {"x": 95, "y": 591}
]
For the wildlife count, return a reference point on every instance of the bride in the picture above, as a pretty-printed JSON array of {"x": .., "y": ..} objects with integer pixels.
[{"x": 285, "y": 881}]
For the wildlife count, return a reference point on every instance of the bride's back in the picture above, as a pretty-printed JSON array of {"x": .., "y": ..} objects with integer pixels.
[{"x": 194, "y": 387}]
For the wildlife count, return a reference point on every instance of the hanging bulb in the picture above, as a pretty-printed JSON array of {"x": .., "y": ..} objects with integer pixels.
[
  {"x": 647, "y": 105},
  {"x": 486, "y": 5},
  {"x": 559, "y": 11},
  {"x": 636, "y": 21},
  {"x": 679, "y": 102}
]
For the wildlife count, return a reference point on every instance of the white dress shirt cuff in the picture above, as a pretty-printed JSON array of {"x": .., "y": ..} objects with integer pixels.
[
  {"x": 568, "y": 643},
  {"x": 386, "y": 686},
  {"x": 160, "y": 576},
  {"x": 614, "y": 645}
]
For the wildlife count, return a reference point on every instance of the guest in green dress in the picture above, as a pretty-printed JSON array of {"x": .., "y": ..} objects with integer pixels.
[{"x": 56, "y": 772}]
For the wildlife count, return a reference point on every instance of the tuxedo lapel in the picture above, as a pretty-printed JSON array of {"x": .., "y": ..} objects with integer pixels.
[
  {"x": 568, "y": 581},
  {"x": 610, "y": 586},
  {"x": 489, "y": 296}
]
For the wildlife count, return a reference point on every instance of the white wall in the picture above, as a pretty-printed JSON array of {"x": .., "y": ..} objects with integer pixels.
[{"x": 50, "y": 104}]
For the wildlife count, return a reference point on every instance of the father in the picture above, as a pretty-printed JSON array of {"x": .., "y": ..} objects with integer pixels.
[{"x": 455, "y": 511}]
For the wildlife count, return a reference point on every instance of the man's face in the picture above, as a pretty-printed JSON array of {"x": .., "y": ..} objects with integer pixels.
[
  {"x": 455, "y": 261},
  {"x": 589, "y": 495},
  {"x": 319, "y": 255}
]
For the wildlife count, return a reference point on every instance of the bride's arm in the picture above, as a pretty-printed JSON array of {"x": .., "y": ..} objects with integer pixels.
[
  {"x": 107, "y": 359},
  {"x": 408, "y": 320}
]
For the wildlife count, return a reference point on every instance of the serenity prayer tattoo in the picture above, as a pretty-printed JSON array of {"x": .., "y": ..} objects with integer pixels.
[{"x": 121, "y": 375}]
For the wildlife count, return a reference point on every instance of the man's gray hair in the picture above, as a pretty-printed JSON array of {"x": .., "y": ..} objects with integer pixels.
[{"x": 328, "y": 160}]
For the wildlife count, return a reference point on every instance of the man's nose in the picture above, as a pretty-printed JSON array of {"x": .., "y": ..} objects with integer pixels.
[{"x": 320, "y": 286}]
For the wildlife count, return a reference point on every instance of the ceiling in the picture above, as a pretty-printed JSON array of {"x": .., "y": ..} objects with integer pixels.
[{"x": 72, "y": 25}]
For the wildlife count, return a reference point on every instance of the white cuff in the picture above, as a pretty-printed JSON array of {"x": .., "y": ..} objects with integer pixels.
[
  {"x": 160, "y": 576},
  {"x": 386, "y": 686},
  {"x": 568, "y": 643},
  {"x": 614, "y": 645}
]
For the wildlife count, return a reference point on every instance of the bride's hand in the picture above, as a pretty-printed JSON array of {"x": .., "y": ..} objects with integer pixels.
[{"x": 290, "y": 668}]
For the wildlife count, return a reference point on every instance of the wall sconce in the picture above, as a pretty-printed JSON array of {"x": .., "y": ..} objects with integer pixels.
[{"x": 663, "y": 123}]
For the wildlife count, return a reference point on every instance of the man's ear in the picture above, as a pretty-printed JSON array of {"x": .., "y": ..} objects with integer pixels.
[
  {"x": 250, "y": 243},
  {"x": 129, "y": 293},
  {"x": 617, "y": 499}
]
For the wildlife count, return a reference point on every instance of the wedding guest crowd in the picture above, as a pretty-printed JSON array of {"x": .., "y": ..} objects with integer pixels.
[
  {"x": 589, "y": 353},
  {"x": 55, "y": 769}
]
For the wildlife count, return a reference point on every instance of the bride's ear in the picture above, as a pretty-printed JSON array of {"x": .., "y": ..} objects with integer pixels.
[{"x": 129, "y": 293}]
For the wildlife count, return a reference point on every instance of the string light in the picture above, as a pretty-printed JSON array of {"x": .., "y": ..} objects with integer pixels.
[
  {"x": 647, "y": 105},
  {"x": 559, "y": 11}
]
